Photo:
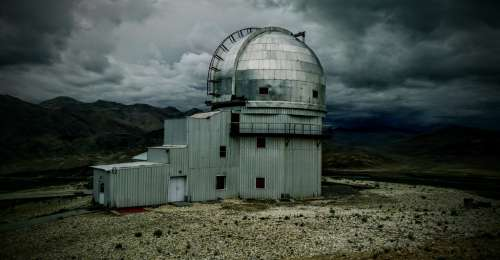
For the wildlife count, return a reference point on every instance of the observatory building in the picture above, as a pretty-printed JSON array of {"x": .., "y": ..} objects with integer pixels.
[{"x": 261, "y": 139}]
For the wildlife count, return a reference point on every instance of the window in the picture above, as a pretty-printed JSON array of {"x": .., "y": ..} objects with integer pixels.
[
  {"x": 261, "y": 142},
  {"x": 235, "y": 123},
  {"x": 260, "y": 183},
  {"x": 222, "y": 151},
  {"x": 220, "y": 182},
  {"x": 264, "y": 90},
  {"x": 101, "y": 187},
  {"x": 167, "y": 156},
  {"x": 315, "y": 94}
]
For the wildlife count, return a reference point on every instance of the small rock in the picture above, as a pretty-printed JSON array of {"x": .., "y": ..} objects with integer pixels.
[{"x": 158, "y": 233}]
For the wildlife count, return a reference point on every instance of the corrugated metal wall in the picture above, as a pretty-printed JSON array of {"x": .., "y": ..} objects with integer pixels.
[
  {"x": 265, "y": 163},
  {"x": 175, "y": 131},
  {"x": 289, "y": 165},
  {"x": 101, "y": 176},
  {"x": 138, "y": 186},
  {"x": 179, "y": 160},
  {"x": 148, "y": 185},
  {"x": 303, "y": 168},
  {"x": 202, "y": 184},
  {"x": 160, "y": 155},
  {"x": 141, "y": 186},
  {"x": 205, "y": 136}
]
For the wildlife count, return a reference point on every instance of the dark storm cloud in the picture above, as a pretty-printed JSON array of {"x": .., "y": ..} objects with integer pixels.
[
  {"x": 390, "y": 60},
  {"x": 418, "y": 16},
  {"x": 434, "y": 40},
  {"x": 421, "y": 61},
  {"x": 34, "y": 31}
]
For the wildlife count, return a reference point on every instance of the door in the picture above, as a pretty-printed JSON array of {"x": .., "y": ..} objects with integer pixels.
[
  {"x": 101, "y": 193},
  {"x": 177, "y": 188}
]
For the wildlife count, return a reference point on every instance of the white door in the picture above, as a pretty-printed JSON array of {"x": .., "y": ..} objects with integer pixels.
[
  {"x": 101, "y": 193},
  {"x": 177, "y": 188},
  {"x": 101, "y": 198}
]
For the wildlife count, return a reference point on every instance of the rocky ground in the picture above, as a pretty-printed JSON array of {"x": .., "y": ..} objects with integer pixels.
[{"x": 363, "y": 219}]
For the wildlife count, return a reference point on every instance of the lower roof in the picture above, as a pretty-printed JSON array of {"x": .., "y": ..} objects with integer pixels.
[
  {"x": 169, "y": 146},
  {"x": 108, "y": 167}
]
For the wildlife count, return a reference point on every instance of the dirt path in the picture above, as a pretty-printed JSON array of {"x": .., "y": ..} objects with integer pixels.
[
  {"x": 32, "y": 195},
  {"x": 44, "y": 219}
]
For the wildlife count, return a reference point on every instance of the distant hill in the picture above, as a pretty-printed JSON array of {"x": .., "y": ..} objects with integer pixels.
[
  {"x": 369, "y": 137},
  {"x": 64, "y": 127},
  {"x": 441, "y": 146},
  {"x": 474, "y": 147},
  {"x": 454, "y": 140},
  {"x": 99, "y": 113},
  {"x": 60, "y": 103}
]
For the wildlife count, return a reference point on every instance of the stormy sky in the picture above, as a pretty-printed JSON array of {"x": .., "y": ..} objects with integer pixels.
[{"x": 402, "y": 62}]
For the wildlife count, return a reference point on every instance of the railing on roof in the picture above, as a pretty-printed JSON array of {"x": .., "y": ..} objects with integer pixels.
[{"x": 276, "y": 129}]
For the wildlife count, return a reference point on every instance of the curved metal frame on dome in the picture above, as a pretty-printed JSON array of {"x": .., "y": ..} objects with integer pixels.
[{"x": 218, "y": 55}]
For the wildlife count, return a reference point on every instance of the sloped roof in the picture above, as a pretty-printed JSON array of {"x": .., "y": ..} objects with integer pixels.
[
  {"x": 108, "y": 167},
  {"x": 205, "y": 115}
]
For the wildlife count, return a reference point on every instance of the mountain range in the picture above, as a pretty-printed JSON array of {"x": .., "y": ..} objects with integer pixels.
[
  {"x": 64, "y": 132},
  {"x": 64, "y": 127}
]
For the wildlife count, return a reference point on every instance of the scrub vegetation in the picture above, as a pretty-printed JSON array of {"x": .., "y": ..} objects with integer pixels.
[{"x": 364, "y": 219}]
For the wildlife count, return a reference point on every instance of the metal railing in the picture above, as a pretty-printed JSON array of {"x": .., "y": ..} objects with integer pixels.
[{"x": 238, "y": 128}]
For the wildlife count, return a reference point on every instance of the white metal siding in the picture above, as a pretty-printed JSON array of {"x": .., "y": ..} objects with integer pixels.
[
  {"x": 179, "y": 160},
  {"x": 101, "y": 176},
  {"x": 265, "y": 162},
  {"x": 160, "y": 155},
  {"x": 140, "y": 186},
  {"x": 202, "y": 186},
  {"x": 175, "y": 131},
  {"x": 205, "y": 136},
  {"x": 148, "y": 185},
  {"x": 303, "y": 168},
  {"x": 289, "y": 165}
]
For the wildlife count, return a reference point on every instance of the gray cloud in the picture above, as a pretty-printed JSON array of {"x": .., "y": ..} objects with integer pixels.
[
  {"x": 34, "y": 31},
  {"x": 425, "y": 61}
]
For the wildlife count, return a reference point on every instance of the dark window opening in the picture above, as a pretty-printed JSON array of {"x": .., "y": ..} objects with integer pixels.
[
  {"x": 260, "y": 183},
  {"x": 222, "y": 151},
  {"x": 101, "y": 187},
  {"x": 167, "y": 156},
  {"x": 220, "y": 182},
  {"x": 235, "y": 118},
  {"x": 235, "y": 123},
  {"x": 315, "y": 93},
  {"x": 261, "y": 142},
  {"x": 264, "y": 91}
]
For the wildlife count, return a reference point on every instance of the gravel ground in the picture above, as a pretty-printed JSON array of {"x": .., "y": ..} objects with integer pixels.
[{"x": 386, "y": 221}]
